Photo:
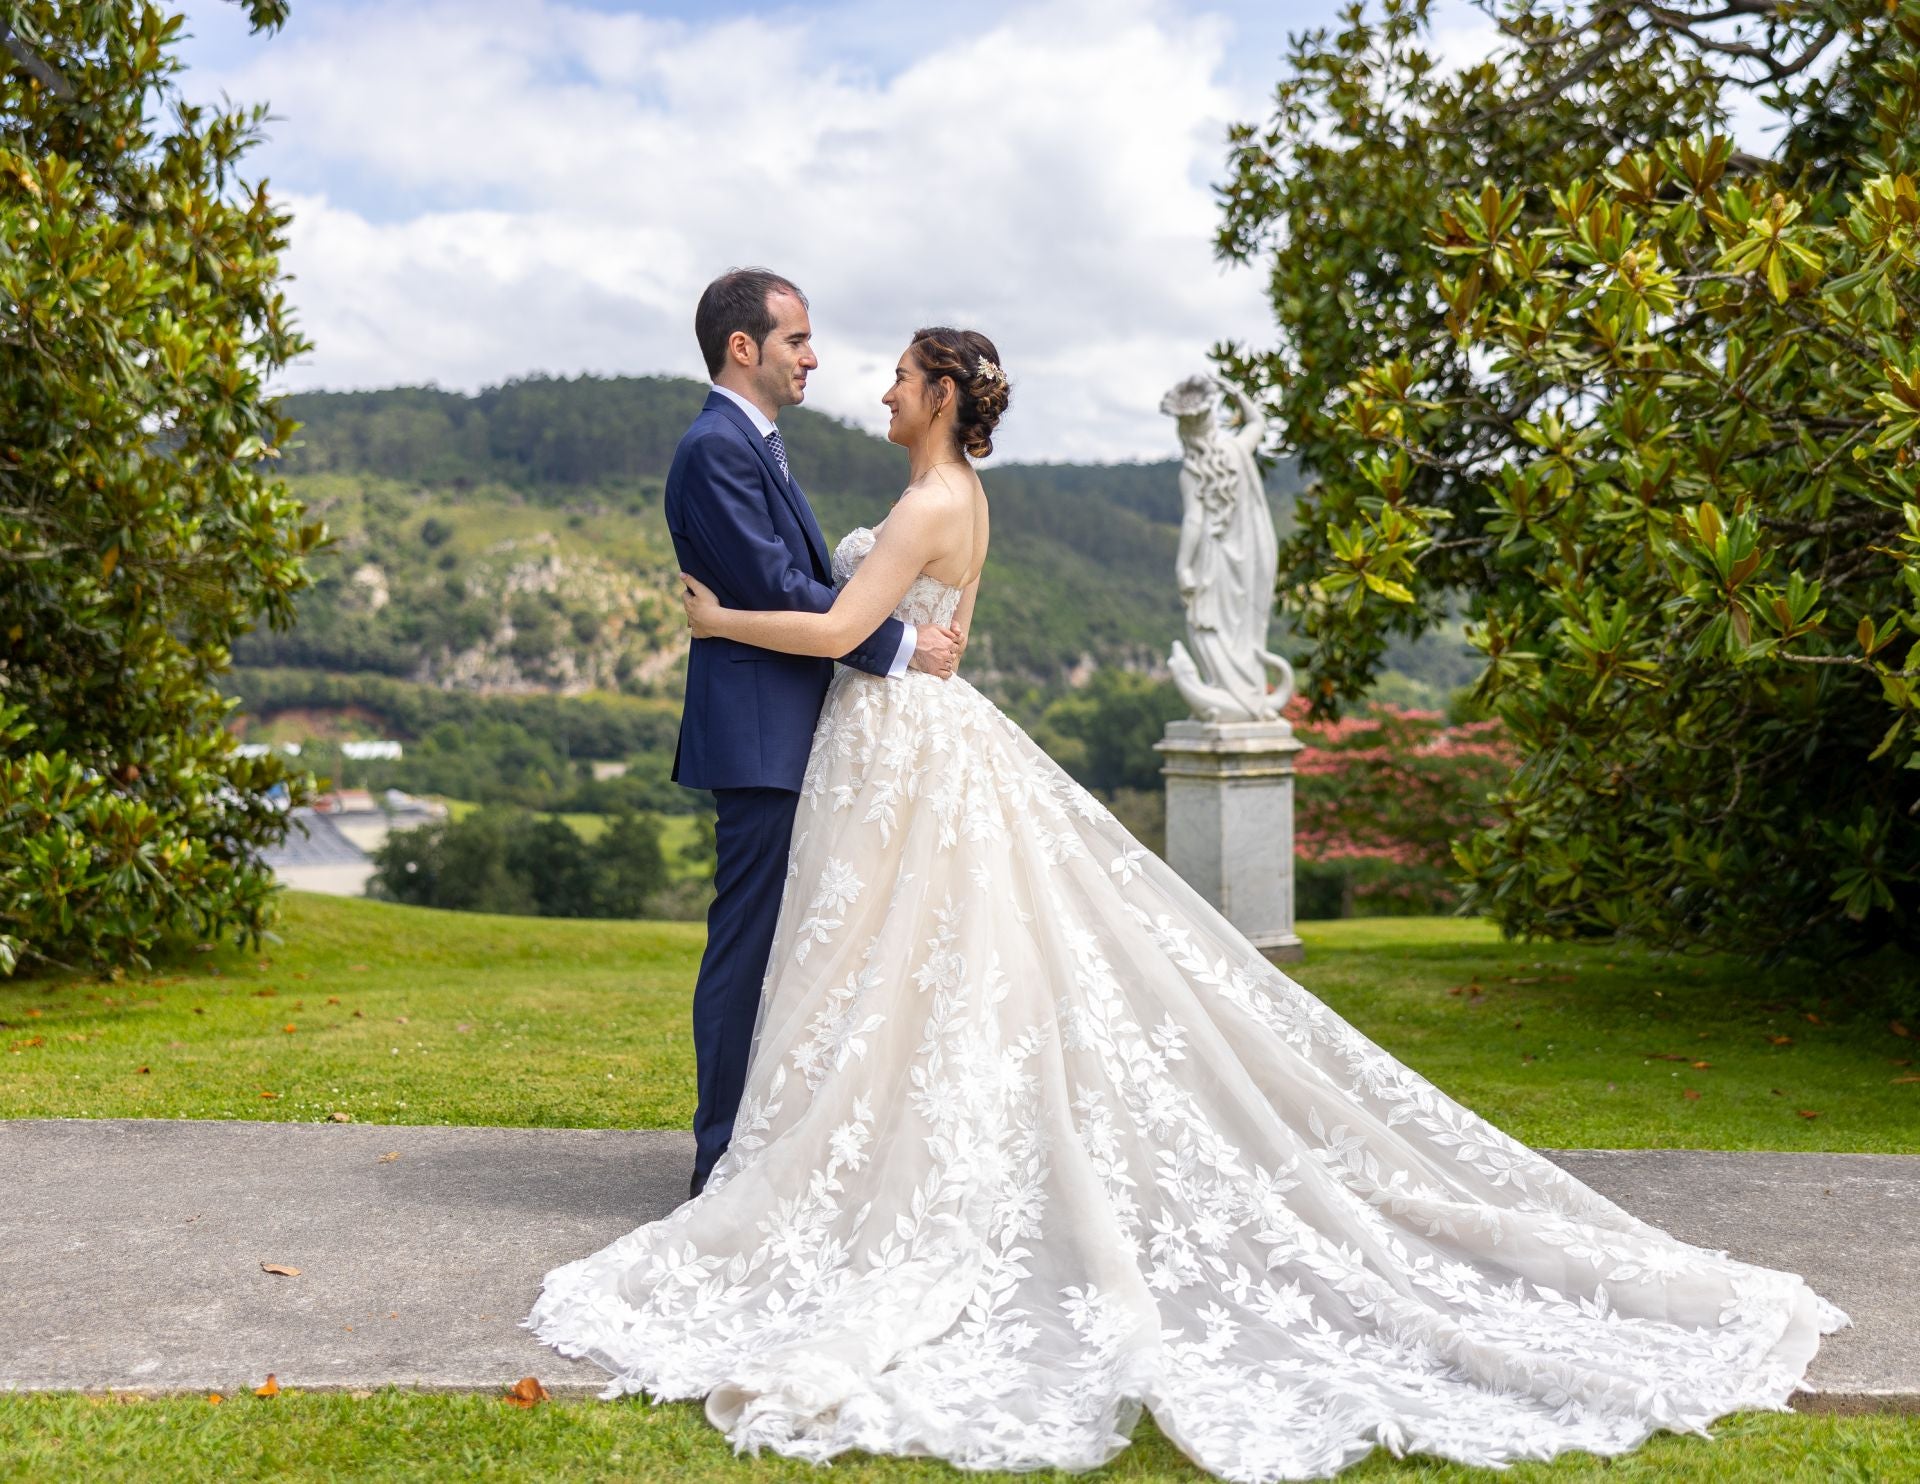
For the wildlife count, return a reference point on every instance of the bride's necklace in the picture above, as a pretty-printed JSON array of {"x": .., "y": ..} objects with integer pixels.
[{"x": 937, "y": 464}]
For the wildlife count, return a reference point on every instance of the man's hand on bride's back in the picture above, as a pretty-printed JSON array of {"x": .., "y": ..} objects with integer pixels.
[{"x": 936, "y": 650}]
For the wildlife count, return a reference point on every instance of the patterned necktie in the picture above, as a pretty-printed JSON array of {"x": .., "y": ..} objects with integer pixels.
[{"x": 779, "y": 454}]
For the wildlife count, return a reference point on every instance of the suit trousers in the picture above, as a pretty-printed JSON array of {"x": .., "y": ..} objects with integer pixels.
[{"x": 753, "y": 831}]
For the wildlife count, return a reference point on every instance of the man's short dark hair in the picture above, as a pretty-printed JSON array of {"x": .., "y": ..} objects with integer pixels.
[{"x": 737, "y": 300}]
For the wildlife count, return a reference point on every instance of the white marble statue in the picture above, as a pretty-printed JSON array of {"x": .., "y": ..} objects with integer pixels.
[{"x": 1228, "y": 557}]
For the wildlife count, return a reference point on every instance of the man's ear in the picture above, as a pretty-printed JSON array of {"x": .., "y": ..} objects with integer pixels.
[{"x": 740, "y": 347}]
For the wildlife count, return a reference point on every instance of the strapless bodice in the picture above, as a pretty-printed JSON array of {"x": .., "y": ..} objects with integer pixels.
[{"x": 928, "y": 600}]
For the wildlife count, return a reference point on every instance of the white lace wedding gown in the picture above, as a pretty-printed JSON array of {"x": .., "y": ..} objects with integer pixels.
[{"x": 1032, "y": 1138}]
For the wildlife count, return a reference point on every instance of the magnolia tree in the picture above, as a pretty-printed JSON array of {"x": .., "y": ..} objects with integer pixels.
[
  {"x": 1551, "y": 342},
  {"x": 141, "y": 529}
]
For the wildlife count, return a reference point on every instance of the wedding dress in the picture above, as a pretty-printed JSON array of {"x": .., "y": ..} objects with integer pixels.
[{"x": 1032, "y": 1138}]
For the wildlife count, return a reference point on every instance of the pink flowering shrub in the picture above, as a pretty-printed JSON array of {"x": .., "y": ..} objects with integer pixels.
[{"x": 1382, "y": 795}]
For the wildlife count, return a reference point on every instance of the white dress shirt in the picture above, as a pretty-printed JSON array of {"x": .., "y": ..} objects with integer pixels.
[{"x": 763, "y": 425}]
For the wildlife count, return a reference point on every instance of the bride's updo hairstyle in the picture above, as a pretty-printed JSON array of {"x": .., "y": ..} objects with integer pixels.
[{"x": 981, "y": 386}]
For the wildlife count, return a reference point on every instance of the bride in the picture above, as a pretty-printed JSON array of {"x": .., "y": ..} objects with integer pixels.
[{"x": 1032, "y": 1137}]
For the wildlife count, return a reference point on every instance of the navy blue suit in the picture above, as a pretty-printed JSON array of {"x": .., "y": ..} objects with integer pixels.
[{"x": 748, "y": 533}]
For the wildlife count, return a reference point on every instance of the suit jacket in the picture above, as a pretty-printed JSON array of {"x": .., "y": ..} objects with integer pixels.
[{"x": 750, "y": 535}]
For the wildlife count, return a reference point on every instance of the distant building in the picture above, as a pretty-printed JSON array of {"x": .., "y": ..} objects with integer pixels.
[
  {"x": 331, "y": 845},
  {"x": 353, "y": 752}
]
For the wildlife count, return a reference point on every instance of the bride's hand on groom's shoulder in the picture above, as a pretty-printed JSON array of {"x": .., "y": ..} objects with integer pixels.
[{"x": 703, "y": 608}]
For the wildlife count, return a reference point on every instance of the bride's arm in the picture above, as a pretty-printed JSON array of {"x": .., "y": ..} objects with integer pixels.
[
  {"x": 963, "y": 619},
  {"x": 910, "y": 539}
]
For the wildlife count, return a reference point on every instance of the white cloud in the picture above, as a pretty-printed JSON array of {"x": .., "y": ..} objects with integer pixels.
[
  {"x": 488, "y": 189},
  {"x": 491, "y": 188}
]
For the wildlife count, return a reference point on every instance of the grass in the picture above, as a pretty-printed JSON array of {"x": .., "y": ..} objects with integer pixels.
[
  {"x": 398, "y": 1015},
  {"x": 401, "y": 1015},
  {"x": 404, "y": 1437}
]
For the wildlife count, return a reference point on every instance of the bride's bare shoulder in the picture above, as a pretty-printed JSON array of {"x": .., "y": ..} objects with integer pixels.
[{"x": 932, "y": 498}]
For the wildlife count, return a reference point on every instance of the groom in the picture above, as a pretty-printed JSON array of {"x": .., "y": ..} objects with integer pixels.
[{"x": 741, "y": 525}]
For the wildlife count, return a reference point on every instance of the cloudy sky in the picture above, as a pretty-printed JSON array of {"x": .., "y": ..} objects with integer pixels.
[{"x": 488, "y": 188}]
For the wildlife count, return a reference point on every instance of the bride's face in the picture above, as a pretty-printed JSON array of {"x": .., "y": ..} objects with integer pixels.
[{"x": 911, "y": 401}]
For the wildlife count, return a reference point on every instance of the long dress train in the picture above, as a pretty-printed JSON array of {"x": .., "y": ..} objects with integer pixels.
[{"x": 1032, "y": 1137}]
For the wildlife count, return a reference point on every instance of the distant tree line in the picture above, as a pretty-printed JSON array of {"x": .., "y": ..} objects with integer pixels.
[
  {"x": 597, "y": 726},
  {"x": 512, "y": 861},
  {"x": 590, "y": 430}
]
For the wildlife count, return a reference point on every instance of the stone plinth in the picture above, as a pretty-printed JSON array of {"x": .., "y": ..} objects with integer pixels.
[{"x": 1230, "y": 823}]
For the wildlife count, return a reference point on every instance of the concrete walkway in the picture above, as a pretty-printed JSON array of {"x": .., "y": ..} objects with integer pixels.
[{"x": 133, "y": 1248}]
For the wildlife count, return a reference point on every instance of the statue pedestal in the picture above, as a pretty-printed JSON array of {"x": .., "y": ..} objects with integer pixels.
[{"x": 1230, "y": 823}]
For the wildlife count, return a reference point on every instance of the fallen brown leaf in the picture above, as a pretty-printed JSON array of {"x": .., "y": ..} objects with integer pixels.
[
  {"x": 265, "y": 994},
  {"x": 525, "y": 1392},
  {"x": 1898, "y": 1029},
  {"x": 1781, "y": 1040},
  {"x": 269, "y": 1094},
  {"x": 1898, "y": 1080},
  {"x": 357, "y": 968},
  {"x": 333, "y": 999},
  {"x": 359, "y": 1014},
  {"x": 399, "y": 1020},
  {"x": 1691, "y": 1094},
  {"x": 1701, "y": 1066},
  {"x": 34, "y": 1012},
  {"x": 338, "y": 1116},
  {"x": 389, "y": 1157},
  {"x": 214, "y": 1398},
  {"x": 270, "y": 1387},
  {"x": 274, "y": 1267},
  {"x": 30, "y": 1041},
  {"x": 1812, "y": 1019},
  {"x": 288, "y": 1027},
  {"x": 1807, "y": 1112},
  {"x": 1523, "y": 978}
]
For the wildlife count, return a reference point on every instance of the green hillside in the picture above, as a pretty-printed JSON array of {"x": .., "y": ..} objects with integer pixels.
[{"x": 514, "y": 539}]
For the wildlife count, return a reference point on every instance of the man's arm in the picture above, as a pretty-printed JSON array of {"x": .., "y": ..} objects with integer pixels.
[
  {"x": 914, "y": 532},
  {"x": 730, "y": 533}
]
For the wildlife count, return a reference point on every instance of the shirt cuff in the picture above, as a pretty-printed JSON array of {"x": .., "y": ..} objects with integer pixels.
[{"x": 909, "y": 637}]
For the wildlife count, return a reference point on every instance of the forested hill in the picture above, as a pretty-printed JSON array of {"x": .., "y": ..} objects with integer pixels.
[
  {"x": 514, "y": 540},
  {"x": 555, "y": 434}
]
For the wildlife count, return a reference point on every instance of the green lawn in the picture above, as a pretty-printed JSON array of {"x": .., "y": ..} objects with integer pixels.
[
  {"x": 404, "y": 1437},
  {"x": 400, "y": 1015}
]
